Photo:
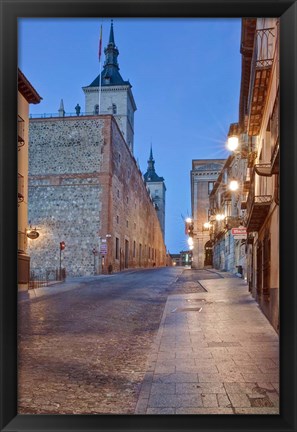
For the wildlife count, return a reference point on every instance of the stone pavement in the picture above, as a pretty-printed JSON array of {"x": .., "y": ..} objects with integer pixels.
[{"x": 215, "y": 353}]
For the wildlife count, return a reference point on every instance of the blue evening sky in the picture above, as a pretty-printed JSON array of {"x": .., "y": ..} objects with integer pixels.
[{"x": 185, "y": 75}]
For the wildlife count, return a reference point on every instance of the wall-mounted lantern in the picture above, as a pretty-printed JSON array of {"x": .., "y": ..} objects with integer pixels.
[{"x": 32, "y": 233}]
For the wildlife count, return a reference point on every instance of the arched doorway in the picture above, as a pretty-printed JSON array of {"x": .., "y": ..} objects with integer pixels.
[{"x": 208, "y": 254}]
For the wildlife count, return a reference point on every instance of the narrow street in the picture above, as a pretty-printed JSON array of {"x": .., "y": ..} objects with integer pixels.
[{"x": 86, "y": 350}]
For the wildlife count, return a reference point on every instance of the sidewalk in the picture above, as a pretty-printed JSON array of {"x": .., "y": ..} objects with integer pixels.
[{"x": 215, "y": 353}]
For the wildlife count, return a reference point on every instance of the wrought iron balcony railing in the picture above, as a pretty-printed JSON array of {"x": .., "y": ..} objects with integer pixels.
[
  {"x": 21, "y": 131},
  {"x": 262, "y": 61},
  {"x": 274, "y": 129}
]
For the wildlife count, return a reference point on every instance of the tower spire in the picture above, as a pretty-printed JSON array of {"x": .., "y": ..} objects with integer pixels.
[
  {"x": 111, "y": 52},
  {"x": 151, "y": 153},
  {"x": 111, "y": 35},
  {"x": 151, "y": 162}
]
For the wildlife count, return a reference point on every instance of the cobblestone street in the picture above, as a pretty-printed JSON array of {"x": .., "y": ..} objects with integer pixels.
[
  {"x": 85, "y": 350},
  {"x": 121, "y": 345}
]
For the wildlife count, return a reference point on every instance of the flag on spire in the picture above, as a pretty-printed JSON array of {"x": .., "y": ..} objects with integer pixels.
[{"x": 100, "y": 43}]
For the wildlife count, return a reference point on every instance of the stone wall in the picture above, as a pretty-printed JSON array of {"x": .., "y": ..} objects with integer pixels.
[
  {"x": 133, "y": 216},
  {"x": 85, "y": 189}
]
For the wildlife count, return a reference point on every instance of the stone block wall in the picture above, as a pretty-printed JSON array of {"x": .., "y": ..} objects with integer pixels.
[
  {"x": 85, "y": 189},
  {"x": 133, "y": 216}
]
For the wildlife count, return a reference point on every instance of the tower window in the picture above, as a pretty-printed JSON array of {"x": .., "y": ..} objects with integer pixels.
[
  {"x": 114, "y": 108},
  {"x": 96, "y": 109},
  {"x": 210, "y": 186}
]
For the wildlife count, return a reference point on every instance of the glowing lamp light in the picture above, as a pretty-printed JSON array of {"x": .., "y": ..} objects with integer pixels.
[
  {"x": 190, "y": 241},
  {"x": 233, "y": 186},
  {"x": 232, "y": 143},
  {"x": 191, "y": 247},
  {"x": 188, "y": 220},
  {"x": 220, "y": 217},
  {"x": 206, "y": 225}
]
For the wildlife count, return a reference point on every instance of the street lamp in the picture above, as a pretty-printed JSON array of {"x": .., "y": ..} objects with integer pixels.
[
  {"x": 233, "y": 185},
  {"x": 62, "y": 247},
  {"x": 220, "y": 216},
  {"x": 232, "y": 143},
  {"x": 190, "y": 241}
]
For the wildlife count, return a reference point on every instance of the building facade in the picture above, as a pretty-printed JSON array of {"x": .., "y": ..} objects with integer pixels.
[
  {"x": 255, "y": 166},
  {"x": 262, "y": 198},
  {"x": 157, "y": 188},
  {"x": 26, "y": 95},
  {"x": 204, "y": 174},
  {"x": 227, "y": 233},
  {"x": 86, "y": 189}
]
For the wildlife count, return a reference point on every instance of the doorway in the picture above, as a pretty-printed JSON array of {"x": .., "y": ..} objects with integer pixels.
[
  {"x": 126, "y": 253},
  {"x": 208, "y": 254}
]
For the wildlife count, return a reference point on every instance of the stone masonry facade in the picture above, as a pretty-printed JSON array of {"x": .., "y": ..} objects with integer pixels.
[{"x": 86, "y": 189}]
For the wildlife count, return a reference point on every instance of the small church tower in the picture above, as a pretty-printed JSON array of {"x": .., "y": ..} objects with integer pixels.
[
  {"x": 157, "y": 189},
  {"x": 116, "y": 95}
]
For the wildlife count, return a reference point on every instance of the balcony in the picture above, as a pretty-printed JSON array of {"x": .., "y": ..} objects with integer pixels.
[
  {"x": 232, "y": 222},
  {"x": 260, "y": 77},
  {"x": 20, "y": 188},
  {"x": 274, "y": 128},
  {"x": 257, "y": 210},
  {"x": 21, "y": 132},
  {"x": 263, "y": 170}
]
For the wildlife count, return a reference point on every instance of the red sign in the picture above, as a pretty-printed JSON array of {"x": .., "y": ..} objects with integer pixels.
[{"x": 238, "y": 231}]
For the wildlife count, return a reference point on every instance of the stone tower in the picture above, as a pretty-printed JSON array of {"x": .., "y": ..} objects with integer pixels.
[
  {"x": 157, "y": 189},
  {"x": 116, "y": 97}
]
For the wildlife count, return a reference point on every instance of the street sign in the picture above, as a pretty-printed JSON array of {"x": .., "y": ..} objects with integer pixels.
[
  {"x": 103, "y": 249},
  {"x": 239, "y": 233}
]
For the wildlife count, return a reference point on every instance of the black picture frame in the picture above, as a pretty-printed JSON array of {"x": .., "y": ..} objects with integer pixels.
[{"x": 287, "y": 11}]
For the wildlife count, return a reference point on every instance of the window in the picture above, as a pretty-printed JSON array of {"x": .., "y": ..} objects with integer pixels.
[
  {"x": 118, "y": 193},
  {"x": 117, "y": 248},
  {"x": 210, "y": 186},
  {"x": 134, "y": 249},
  {"x": 118, "y": 219},
  {"x": 127, "y": 224},
  {"x": 114, "y": 108},
  {"x": 156, "y": 192},
  {"x": 119, "y": 157},
  {"x": 96, "y": 109}
]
